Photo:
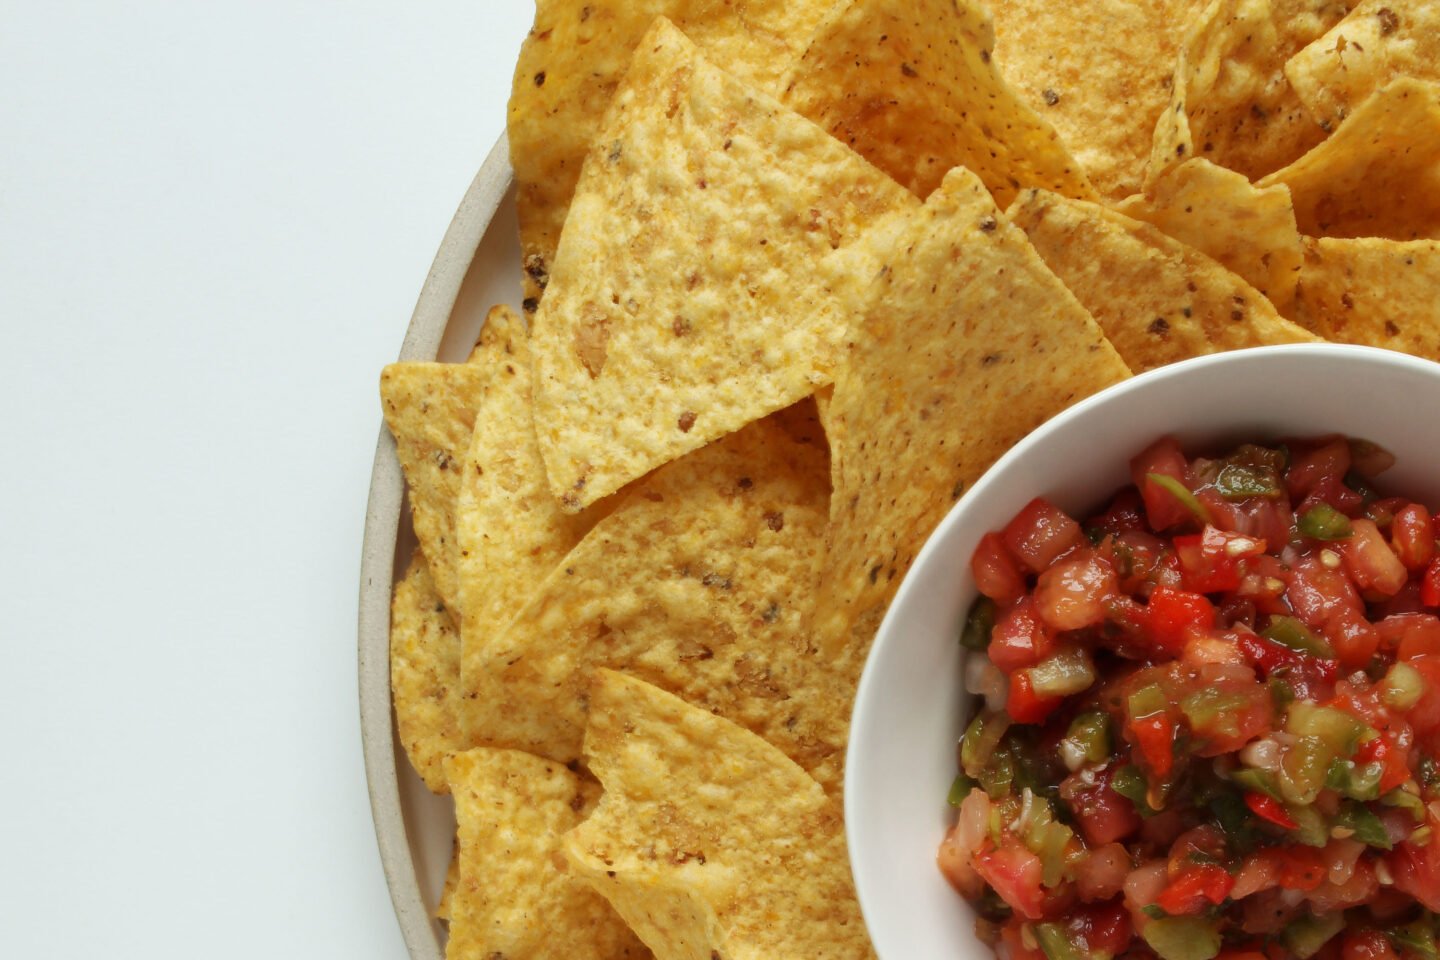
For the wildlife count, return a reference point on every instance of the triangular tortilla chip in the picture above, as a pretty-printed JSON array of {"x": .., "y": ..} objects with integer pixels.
[
  {"x": 910, "y": 84},
  {"x": 689, "y": 295},
  {"x": 1157, "y": 299},
  {"x": 1249, "y": 230},
  {"x": 699, "y": 583},
  {"x": 452, "y": 878},
  {"x": 514, "y": 897},
  {"x": 430, "y": 410},
  {"x": 425, "y": 674},
  {"x": 708, "y": 840},
  {"x": 964, "y": 344},
  {"x": 512, "y": 532},
  {"x": 1099, "y": 73},
  {"x": 1381, "y": 293},
  {"x": 1230, "y": 102},
  {"x": 575, "y": 57},
  {"x": 1380, "y": 41},
  {"x": 1379, "y": 174}
]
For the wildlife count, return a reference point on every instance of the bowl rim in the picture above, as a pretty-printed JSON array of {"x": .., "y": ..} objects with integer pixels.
[
  {"x": 422, "y": 341},
  {"x": 866, "y": 696}
]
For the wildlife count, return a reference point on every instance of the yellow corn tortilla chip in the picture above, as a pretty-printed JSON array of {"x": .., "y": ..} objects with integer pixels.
[
  {"x": 699, "y": 583},
  {"x": 709, "y": 841},
  {"x": 1378, "y": 175},
  {"x": 1380, "y": 41},
  {"x": 425, "y": 674},
  {"x": 430, "y": 410},
  {"x": 511, "y": 531},
  {"x": 912, "y": 86},
  {"x": 572, "y": 62},
  {"x": 1381, "y": 293},
  {"x": 1157, "y": 299},
  {"x": 1101, "y": 85},
  {"x": 1230, "y": 102},
  {"x": 1251, "y": 231},
  {"x": 452, "y": 879},
  {"x": 689, "y": 295},
  {"x": 965, "y": 342},
  {"x": 516, "y": 896}
]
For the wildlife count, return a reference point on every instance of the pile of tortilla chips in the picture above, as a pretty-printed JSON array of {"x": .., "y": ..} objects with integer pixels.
[{"x": 796, "y": 273}]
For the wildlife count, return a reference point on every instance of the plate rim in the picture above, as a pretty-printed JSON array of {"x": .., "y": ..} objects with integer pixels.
[{"x": 423, "y": 336}]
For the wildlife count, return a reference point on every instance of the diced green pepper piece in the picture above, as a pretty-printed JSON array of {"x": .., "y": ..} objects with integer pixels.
[
  {"x": 1281, "y": 693},
  {"x": 1338, "y": 730},
  {"x": 1056, "y": 943},
  {"x": 1310, "y": 826},
  {"x": 1090, "y": 731},
  {"x": 1303, "y": 767},
  {"x": 1147, "y": 701},
  {"x": 1292, "y": 633},
  {"x": 1305, "y": 937},
  {"x": 1052, "y": 853},
  {"x": 1182, "y": 494},
  {"x": 1407, "y": 802},
  {"x": 1402, "y": 687},
  {"x": 1238, "y": 481},
  {"x": 980, "y": 740},
  {"x": 1417, "y": 937},
  {"x": 1131, "y": 784},
  {"x": 1259, "y": 781},
  {"x": 998, "y": 776},
  {"x": 976, "y": 635},
  {"x": 960, "y": 788},
  {"x": 1183, "y": 938},
  {"x": 1366, "y": 826},
  {"x": 1212, "y": 710},
  {"x": 1063, "y": 674},
  {"x": 1324, "y": 522},
  {"x": 1357, "y": 783}
]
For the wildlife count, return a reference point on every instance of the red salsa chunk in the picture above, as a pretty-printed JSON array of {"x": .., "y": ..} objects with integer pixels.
[{"x": 1209, "y": 717}]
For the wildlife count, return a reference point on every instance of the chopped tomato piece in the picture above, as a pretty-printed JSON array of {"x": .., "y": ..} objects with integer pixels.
[
  {"x": 1326, "y": 462},
  {"x": 1170, "y": 613},
  {"x": 1367, "y": 945},
  {"x": 1301, "y": 868},
  {"x": 1123, "y": 513},
  {"x": 1024, "y": 705},
  {"x": 1268, "y": 808},
  {"x": 1102, "y": 814},
  {"x": 1012, "y": 938},
  {"x": 1162, "y": 510},
  {"x": 1071, "y": 595},
  {"x": 1372, "y": 564},
  {"x": 1106, "y": 929},
  {"x": 1155, "y": 738},
  {"x": 1416, "y": 869},
  {"x": 1014, "y": 873},
  {"x": 1042, "y": 533},
  {"x": 1410, "y": 635},
  {"x": 1019, "y": 638},
  {"x": 1210, "y": 561},
  {"x": 1412, "y": 536},
  {"x": 997, "y": 573},
  {"x": 1195, "y": 889},
  {"x": 1430, "y": 585}
]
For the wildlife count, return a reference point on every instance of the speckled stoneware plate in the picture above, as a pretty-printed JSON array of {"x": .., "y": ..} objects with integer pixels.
[{"x": 478, "y": 265}]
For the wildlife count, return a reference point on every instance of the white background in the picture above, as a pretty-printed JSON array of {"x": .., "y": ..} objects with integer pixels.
[{"x": 215, "y": 217}]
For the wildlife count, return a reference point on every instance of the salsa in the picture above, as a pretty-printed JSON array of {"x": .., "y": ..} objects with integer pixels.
[{"x": 1210, "y": 716}]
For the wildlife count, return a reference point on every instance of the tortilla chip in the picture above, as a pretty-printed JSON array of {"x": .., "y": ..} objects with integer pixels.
[
  {"x": 709, "y": 841},
  {"x": 1157, "y": 299},
  {"x": 516, "y": 897},
  {"x": 452, "y": 880},
  {"x": 947, "y": 351},
  {"x": 1249, "y": 230},
  {"x": 571, "y": 64},
  {"x": 425, "y": 674},
  {"x": 512, "y": 532},
  {"x": 430, "y": 410},
  {"x": 1379, "y": 174},
  {"x": 698, "y": 583},
  {"x": 1099, "y": 72},
  {"x": 1380, "y": 293},
  {"x": 1380, "y": 41},
  {"x": 911, "y": 85},
  {"x": 1231, "y": 103},
  {"x": 689, "y": 294}
]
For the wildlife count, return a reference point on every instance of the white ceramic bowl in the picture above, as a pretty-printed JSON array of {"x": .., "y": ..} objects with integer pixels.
[{"x": 911, "y": 707}]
